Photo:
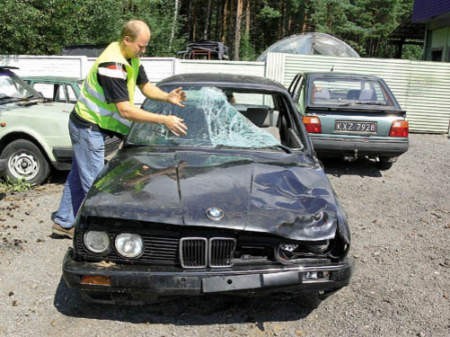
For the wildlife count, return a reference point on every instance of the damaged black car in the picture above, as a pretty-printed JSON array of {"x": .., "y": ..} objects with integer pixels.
[{"x": 239, "y": 205}]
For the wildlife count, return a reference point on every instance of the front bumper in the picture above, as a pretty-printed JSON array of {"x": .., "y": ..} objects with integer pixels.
[
  {"x": 365, "y": 145},
  {"x": 173, "y": 281},
  {"x": 63, "y": 156},
  {"x": 3, "y": 164}
]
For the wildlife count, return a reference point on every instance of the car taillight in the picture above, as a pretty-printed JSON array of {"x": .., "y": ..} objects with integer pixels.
[
  {"x": 399, "y": 129},
  {"x": 312, "y": 124}
]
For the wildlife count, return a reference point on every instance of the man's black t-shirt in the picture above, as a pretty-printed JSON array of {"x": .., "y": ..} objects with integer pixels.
[{"x": 113, "y": 79}]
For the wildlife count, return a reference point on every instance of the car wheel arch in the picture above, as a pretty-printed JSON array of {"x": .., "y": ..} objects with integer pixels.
[
  {"x": 10, "y": 137},
  {"x": 26, "y": 160}
]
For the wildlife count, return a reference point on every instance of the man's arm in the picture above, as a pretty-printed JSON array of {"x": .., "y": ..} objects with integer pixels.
[
  {"x": 176, "y": 96},
  {"x": 131, "y": 112},
  {"x": 112, "y": 77}
]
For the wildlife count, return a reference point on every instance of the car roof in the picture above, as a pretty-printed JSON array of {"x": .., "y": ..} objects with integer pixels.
[
  {"x": 53, "y": 79},
  {"x": 7, "y": 69},
  {"x": 225, "y": 80},
  {"x": 332, "y": 74}
]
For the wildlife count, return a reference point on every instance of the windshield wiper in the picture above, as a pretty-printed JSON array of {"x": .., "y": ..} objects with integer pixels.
[
  {"x": 280, "y": 146},
  {"x": 361, "y": 103},
  {"x": 9, "y": 99}
]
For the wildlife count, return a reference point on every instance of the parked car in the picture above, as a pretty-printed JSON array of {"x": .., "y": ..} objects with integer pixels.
[
  {"x": 67, "y": 89},
  {"x": 33, "y": 131},
  {"x": 56, "y": 88},
  {"x": 351, "y": 115},
  {"x": 204, "y": 50},
  {"x": 238, "y": 205}
]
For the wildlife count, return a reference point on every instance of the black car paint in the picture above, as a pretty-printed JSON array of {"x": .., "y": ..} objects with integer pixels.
[
  {"x": 269, "y": 192},
  {"x": 262, "y": 192}
]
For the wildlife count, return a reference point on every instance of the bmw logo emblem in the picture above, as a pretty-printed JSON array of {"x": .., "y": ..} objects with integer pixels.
[{"x": 214, "y": 213}]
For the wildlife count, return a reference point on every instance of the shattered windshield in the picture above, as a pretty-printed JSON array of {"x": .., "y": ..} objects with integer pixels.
[
  {"x": 13, "y": 89},
  {"x": 348, "y": 91},
  {"x": 213, "y": 118}
]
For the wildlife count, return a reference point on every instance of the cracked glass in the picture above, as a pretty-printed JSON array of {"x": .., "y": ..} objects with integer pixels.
[{"x": 213, "y": 120}]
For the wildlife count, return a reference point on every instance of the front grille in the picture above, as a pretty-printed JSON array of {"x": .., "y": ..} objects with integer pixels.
[
  {"x": 198, "y": 252},
  {"x": 160, "y": 249},
  {"x": 221, "y": 251},
  {"x": 193, "y": 252},
  {"x": 175, "y": 246}
]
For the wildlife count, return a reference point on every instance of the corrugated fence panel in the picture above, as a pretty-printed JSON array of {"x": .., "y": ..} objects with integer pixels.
[
  {"x": 30, "y": 65},
  {"x": 422, "y": 88},
  {"x": 229, "y": 67},
  {"x": 429, "y": 96}
]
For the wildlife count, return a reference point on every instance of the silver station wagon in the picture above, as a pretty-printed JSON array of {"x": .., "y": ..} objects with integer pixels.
[{"x": 351, "y": 116}]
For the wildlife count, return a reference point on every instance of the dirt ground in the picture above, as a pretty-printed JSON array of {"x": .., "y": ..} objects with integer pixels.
[{"x": 400, "y": 224}]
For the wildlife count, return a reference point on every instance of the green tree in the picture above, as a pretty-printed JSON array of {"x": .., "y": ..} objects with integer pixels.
[{"x": 45, "y": 27}]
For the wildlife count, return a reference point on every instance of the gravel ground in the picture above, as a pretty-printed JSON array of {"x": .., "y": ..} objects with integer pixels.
[{"x": 400, "y": 224}]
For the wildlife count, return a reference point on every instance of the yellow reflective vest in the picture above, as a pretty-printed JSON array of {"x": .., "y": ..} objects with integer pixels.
[{"x": 92, "y": 105}]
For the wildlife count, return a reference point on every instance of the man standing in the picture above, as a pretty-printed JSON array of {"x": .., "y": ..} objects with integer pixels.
[{"x": 106, "y": 107}]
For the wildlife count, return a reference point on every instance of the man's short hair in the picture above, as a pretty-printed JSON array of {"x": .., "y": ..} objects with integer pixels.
[{"x": 132, "y": 29}]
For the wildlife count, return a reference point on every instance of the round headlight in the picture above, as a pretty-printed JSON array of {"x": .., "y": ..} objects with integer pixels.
[
  {"x": 129, "y": 245},
  {"x": 96, "y": 241}
]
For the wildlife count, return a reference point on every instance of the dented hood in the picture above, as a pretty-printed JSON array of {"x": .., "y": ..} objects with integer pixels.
[{"x": 278, "y": 193}]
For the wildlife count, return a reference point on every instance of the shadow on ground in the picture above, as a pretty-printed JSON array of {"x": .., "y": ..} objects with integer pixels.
[
  {"x": 362, "y": 167},
  {"x": 191, "y": 310},
  {"x": 57, "y": 177}
]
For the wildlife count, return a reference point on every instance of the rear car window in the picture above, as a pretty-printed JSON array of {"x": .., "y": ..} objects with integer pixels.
[{"x": 347, "y": 91}]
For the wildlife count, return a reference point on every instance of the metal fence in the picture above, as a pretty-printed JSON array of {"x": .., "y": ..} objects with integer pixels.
[{"x": 422, "y": 88}]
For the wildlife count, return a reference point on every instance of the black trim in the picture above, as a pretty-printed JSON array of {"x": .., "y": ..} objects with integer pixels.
[
  {"x": 63, "y": 154},
  {"x": 142, "y": 279},
  {"x": 365, "y": 145},
  {"x": 3, "y": 164}
]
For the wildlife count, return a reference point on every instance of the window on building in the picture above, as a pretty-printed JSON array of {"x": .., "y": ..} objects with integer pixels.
[{"x": 436, "y": 54}]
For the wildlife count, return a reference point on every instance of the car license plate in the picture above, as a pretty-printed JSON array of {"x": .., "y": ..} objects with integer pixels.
[
  {"x": 228, "y": 283},
  {"x": 355, "y": 126}
]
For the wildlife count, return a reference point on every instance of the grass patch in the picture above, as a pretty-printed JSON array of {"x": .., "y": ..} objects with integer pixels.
[{"x": 8, "y": 186}]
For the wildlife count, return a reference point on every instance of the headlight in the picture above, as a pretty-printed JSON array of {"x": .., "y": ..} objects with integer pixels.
[
  {"x": 287, "y": 253},
  {"x": 129, "y": 245},
  {"x": 96, "y": 241}
]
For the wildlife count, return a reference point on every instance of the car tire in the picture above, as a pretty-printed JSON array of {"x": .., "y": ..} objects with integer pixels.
[
  {"x": 385, "y": 163},
  {"x": 25, "y": 161}
]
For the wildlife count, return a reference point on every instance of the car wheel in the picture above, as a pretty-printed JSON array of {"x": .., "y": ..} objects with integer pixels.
[
  {"x": 385, "y": 163},
  {"x": 25, "y": 161}
]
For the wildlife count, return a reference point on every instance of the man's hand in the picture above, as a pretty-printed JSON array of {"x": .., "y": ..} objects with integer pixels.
[
  {"x": 175, "y": 125},
  {"x": 177, "y": 96}
]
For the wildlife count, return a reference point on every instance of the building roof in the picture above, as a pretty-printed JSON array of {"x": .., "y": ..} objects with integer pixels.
[
  {"x": 408, "y": 32},
  {"x": 426, "y": 10}
]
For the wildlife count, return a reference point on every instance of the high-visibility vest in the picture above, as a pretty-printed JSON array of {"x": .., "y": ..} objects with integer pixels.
[{"x": 92, "y": 105}]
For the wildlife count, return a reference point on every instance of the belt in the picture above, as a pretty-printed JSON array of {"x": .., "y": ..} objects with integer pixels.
[{"x": 81, "y": 122}]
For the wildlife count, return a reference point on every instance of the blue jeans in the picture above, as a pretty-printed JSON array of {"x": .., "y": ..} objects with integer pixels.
[{"x": 88, "y": 160}]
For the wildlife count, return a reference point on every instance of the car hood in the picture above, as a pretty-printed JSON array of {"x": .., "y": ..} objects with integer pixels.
[
  {"x": 284, "y": 194},
  {"x": 39, "y": 107}
]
